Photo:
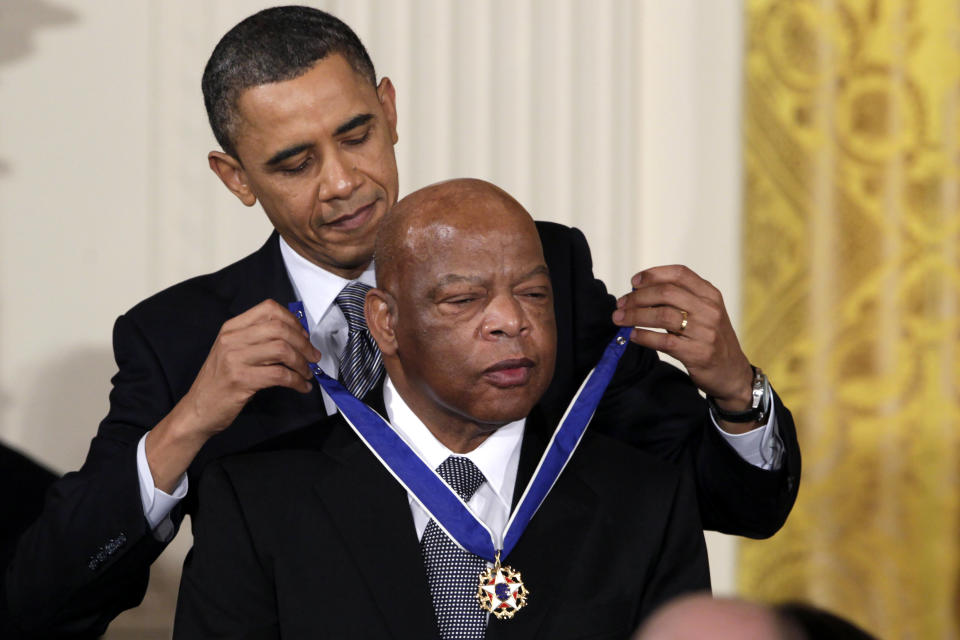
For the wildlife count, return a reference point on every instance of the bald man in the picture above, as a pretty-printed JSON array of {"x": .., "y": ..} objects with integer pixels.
[
  {"x": 703, "y": 617},
  {"x": 463, "y": 316},
  {"x": 700, "y": 616}
]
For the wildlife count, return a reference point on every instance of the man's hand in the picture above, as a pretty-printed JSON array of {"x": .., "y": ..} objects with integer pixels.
[
  {"x": 262, "y": 347},
  {"x": 699, "y": 333}
]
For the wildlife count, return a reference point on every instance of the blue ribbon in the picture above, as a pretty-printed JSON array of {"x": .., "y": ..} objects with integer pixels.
[{"x": 434, "y": 495}]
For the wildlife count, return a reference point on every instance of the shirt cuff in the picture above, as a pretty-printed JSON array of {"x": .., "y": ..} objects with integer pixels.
[
  {"x": 157, "y": 504},
  {"x": 761, "y": 447}
]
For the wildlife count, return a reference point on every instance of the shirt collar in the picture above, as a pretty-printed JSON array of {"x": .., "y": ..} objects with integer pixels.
[
  {"x": 497, "y": 457},
  {"x": 314, "y": 286}
]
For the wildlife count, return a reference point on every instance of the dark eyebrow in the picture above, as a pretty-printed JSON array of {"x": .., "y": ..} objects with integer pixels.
[
  {"x": 280, "y": 156},
  {"x": 353, "y": 123}
]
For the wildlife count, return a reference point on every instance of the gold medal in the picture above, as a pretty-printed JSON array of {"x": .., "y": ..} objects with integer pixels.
[{"x": 501, "y": 590}]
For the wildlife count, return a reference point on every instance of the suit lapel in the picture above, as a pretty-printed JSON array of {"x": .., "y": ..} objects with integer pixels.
[
  {"x": 373, "y": 514},
  {"x": 279, "y": 409},
  {"x": 264, "y": 276},
  {"x": 550, "y": 545},
  {"x": 372, "y": 511}
]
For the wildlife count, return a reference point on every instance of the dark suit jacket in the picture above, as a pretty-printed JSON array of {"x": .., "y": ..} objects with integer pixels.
[
  {"x": 338, "y": 556},
  {"x": 88, "y": 555}
]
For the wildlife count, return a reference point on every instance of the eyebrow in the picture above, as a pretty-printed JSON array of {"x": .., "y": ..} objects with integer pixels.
[
  {"x": 451, "y": 278},
  {"x": 536, "y": 271},
  {"x": 289, "y": 152},
  {"x": 353, "y": 123},
  {"x": 280, "y": 156}
]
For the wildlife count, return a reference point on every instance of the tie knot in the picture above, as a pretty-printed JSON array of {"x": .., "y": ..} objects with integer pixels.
[
  {"x": 350, "y": 300},
  {"x": 462, "y": 475}
]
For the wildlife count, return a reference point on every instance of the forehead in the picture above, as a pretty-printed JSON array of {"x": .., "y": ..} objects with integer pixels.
[
  {"x": 314, "y": 103},
  {"x": 476, "y": 246}
]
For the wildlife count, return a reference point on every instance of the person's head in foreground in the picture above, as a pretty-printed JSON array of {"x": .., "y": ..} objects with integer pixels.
[
  {"x": 702, "y": 617},
  {"x": 464, "y": 309}
]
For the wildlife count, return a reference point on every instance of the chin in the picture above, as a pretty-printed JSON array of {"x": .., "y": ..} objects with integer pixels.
[{"x": 500, "y": 414}]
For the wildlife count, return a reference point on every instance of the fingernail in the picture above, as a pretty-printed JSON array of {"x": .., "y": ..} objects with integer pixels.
[
  {"x": 621, "y": 301},
  {"x": 636, "y": 279},
  {"x": 618, "y": 316}
]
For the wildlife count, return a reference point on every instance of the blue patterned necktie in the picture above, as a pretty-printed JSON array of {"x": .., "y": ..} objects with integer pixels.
[
  {"x": 452, "y": 573},
  {"x": 360, "y": 365}
]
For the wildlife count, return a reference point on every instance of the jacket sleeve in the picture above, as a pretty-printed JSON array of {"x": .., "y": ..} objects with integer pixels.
[
  {"x": 225, "y": 591},
  {"x": 87, "y": 557},
  {"x": 654, "y": 406}
]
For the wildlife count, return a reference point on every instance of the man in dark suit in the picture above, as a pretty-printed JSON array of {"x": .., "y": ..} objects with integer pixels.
[
  {"x": 318, "y": 539},
  {"x": 216, "y": 364}
]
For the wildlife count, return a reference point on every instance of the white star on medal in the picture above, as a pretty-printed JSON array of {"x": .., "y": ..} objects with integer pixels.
[{"x": 501, "y": 591}]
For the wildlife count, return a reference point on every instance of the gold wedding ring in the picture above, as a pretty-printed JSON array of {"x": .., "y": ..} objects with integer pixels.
[{"x": 683, "y": 321}]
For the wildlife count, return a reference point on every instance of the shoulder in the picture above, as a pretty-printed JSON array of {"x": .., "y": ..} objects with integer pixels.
[
  {"x": 276, "y": 463},
  {"x": 559, "y": 235},
  {"x": 212, "y": 292},
  {"x": 255, "y": 480},
  {"x": 621, "y": 473}
]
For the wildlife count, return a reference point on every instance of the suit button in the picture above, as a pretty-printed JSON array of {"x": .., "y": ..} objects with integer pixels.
[{"x": 106, "y": 550}]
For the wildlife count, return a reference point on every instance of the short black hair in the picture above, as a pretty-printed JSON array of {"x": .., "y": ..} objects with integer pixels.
[
  {"x": 273, "y": 45},
  {"x": 807, "y": 621}
]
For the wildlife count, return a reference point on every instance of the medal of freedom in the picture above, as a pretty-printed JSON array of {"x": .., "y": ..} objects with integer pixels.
[{"x": 501, "y": 590}]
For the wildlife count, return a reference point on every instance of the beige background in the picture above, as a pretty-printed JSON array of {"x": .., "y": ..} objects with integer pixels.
[{"x": 620, "y": 117}]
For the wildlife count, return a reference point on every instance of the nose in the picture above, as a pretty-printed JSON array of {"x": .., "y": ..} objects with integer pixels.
[
  {"x": 339, "y": 177},
  {"x": 504, "y": 318}
]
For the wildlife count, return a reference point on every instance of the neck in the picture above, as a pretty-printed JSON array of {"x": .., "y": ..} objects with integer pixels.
[
  {"x": 456, "y": 432},
  {"x": 347, "y": 272},
  {"x": 457, "y": 441}
]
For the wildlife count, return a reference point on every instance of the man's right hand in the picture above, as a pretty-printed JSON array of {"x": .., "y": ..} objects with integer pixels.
[{"x": 260, "y": 348}]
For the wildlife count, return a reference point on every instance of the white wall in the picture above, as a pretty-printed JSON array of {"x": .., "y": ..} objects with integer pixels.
[{"x": 617, "y": 116}]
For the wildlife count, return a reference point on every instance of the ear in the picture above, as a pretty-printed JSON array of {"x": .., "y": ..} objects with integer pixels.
[
  {"x": 388, "y": 102},
  {"x": 231, "y": 173},
  {"x": 380, "y": 310}
]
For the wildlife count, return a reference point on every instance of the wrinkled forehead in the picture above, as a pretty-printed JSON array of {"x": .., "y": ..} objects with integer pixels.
[{"x": 480, "y": 248}]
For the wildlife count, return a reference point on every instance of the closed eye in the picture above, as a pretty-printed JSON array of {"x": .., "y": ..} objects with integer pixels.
[
  {"x": 353, "y": 142},
  {"x": 297, "y": 169}
]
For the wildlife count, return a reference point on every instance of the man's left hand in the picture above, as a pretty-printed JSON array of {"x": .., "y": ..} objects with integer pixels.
[{"x": 699, "y": 332}]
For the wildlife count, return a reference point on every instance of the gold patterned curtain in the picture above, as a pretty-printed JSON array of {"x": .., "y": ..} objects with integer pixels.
[{"x": 852, "y": 301}]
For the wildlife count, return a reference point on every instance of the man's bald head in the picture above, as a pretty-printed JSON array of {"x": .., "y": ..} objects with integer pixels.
[
  {"x": 701, "y": 616},
  {"x": 463, "y": 312},
  {"x": 428, "y": 216}
]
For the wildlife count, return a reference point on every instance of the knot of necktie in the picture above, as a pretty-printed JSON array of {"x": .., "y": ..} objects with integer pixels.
[
  {"x": 350, "y": 300},
  {"x": 361, "y": 364},
  {"x": 462, "y": 475}
]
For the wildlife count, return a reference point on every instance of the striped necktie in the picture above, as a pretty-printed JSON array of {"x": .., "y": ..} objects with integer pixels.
[
  {"x": 360, "y": 365},
  {"x": 452, "y": 573}
]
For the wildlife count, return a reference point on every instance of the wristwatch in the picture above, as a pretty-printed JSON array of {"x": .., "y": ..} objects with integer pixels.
[{"x": 759, "y": 403}]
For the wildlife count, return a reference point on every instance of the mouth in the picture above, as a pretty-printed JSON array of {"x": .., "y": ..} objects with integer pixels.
[
  {"x": 505, "y": 374},
  {"x": 354, "y": 220}
]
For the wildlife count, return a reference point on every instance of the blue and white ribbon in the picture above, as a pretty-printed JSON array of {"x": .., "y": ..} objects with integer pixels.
[{"x": 435, "y": 496}]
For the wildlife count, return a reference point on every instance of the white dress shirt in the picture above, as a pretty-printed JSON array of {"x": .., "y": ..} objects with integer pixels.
[
  {"x": 498, "y": 458},
  {"x": 317, "y": 288}
]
